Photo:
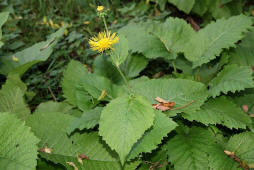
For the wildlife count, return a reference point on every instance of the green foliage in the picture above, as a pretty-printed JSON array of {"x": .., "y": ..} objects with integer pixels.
[
  {"x": 12, "y": 97},
  {"x": 209, "y": 42},
  {"x": 3, "y": 19},
  {"x": 184, "y": 5},
  {"x": 220, "y": 111},
  {"x": 231, "y": 79},
  {"x": 189, "y": 150},
  {"x": 88, "y": 120},
  {"x": 180, "y": 91},
  {"x": 73, "y": 74},
  {"x": 29, "y": 56},
  {"x": 142, "y": 42},
  {"x": 18, "y": 144},
  {"x": 52, "y": 106},
  {"x": 131, "y": 67},
  {"x": 124, "y": 121},
  {"x": 120, "y": 52},
  {"x": 175, "y": 34},
  {"x": 243, "y": 54},
  {"x": 51, "y": 128},
  {"x": 151, "y": 138},
  {"x": 176, "y": 91},
  {"x": 242, "y": 146}
]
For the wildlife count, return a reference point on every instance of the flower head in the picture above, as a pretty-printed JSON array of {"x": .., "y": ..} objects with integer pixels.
[
  {"x": 100, "y": 8},
  {"x": 103, "y": 41}
]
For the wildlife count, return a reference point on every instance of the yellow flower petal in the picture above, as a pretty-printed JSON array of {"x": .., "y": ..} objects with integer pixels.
[
  {"x": 51, "y": 23},
  {"x": 45, "y": 20},
  {"x": 103, "y": 41},
  {"x": 100, "y": 8}
]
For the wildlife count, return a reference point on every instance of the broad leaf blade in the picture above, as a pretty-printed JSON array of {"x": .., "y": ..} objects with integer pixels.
[
  {"x": 231, "y": 79},
  {"x": 183, "y": 5},
  {"x": 180, "y": 91},
  {"x": 123, "y": 121},
  {"x": 153, "y": 137},
  {"x": 121, "y": 51},
  {"x": 190, "y": 150},
  {"x": 142, "y": 42},
  {"x": 210, "y": 41},
  {"x": 18, "y": 144},
  {"x": 29, "y": 56},
  {"x": 51, "y": 129},
  {"x": 242, "y": 146},
  {"x": 220, "y": 111},
  {"x": 11, "y": 97},
  {"x": 73, "y": 74},
  {"x": 88, "y": 120}
]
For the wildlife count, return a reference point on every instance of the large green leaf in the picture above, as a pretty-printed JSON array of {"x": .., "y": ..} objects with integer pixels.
[
  {"x": 95, "y": 85},
  {"x": 231, "y": 79},
  {"x": 18, "y": 148},
  {"x": 245, "y": 99},
  {"x": 133, "y": 65},
  {"x": 153, "y": 137},
  {"x": 143, "y": 42},
  {"x": 73, "y": 74},
  {"x": 218, "y": 160},
  {"x": 52, "y": 106},
  {"x": 243, "y": 55},
  {"x": 103, "y": 66},
  {"x": 3, "y": 19},
  {"x": 220, "y": 111},
  {"x": 120, "y": 52},
  {"x": 201, "y": 6},
  {"x": 88, "y": 120},
  {"x": 123, "y": 121},
  {"x": 218, "y": 9},
  {"x": 242, "y": 146},
  {"x": 189, "y": 150},
  {"x": 51, "y": 129},
  {"x": 183, "y": 5},
  {"x": 210, "y": 41},
  {"x": 180, "y": 91},
  {"x": 11, "y": 97},
  {"x": 29, "y": 56},
  {"x": 174, "y": 33}
]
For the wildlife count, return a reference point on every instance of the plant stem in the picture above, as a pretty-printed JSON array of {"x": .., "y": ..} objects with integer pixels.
[
  {"x": 125, "y": 80},
  {"x": 105, "y": 24}
]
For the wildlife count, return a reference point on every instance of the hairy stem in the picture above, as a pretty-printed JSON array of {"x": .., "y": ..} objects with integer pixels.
[
  {"x": 124, "y": 78},
  {"x": 105, "y": 23}
]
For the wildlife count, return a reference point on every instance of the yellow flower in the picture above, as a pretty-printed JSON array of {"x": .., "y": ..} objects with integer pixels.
[
  {"x": 51, "y": 23},
  {"x": 66, "y": 32},
  {"x": 86, "y": 22},
  {"x": 56, "y": 26},
  {"x": 103, "y": 41},
  {"x": 45, "y": 20},
  {"x": 100, "y": 8},
  {"x": 62, "y": 23},
  {"x": 14, "y": 58}
]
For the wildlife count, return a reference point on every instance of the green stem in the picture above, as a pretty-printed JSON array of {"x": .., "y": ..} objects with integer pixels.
[
  {"x": 173, "y": 64},
  {"x": 124, "y": 78},
  {"x": 105, "y": 24}
]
